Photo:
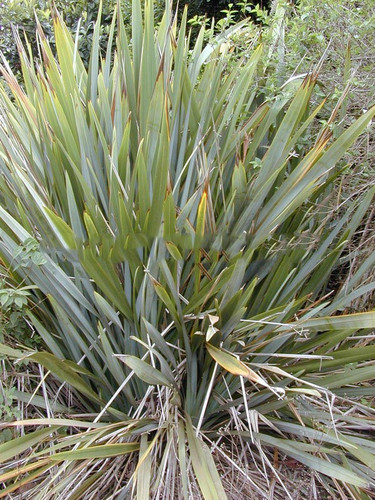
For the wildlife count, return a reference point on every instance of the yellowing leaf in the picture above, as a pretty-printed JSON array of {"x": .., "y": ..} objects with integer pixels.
[
  {"x": 61, "y": 228},
  {"x": 95, "y": 452},
  {"x": 17, "y": 446},
  {"x": 173, "y": 250},
  {"x": 234, "y": 365}
]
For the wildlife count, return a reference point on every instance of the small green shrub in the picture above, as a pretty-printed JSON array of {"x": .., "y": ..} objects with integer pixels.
[
  {"x": 15, "y": 295},
  {"x": 8, "y": 411}
]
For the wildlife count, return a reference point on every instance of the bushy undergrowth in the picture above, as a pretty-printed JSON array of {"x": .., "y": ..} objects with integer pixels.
[
  {"x": 79, "y": 16},
  {"x": 175, "y": 234},
  {"x": 298, "y": 36},
  {"x": 23, "y": 16},
  {"x": 343, "y": 31}
]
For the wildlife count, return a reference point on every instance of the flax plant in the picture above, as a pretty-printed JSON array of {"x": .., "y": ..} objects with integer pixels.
[{"x": 183, "y": 242}]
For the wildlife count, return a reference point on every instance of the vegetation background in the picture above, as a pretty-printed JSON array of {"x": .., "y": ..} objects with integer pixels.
[{"x": 236, "y": 356}]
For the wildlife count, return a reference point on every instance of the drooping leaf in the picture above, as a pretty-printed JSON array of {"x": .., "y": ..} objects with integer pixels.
[{"x": 144, "y": 371}]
